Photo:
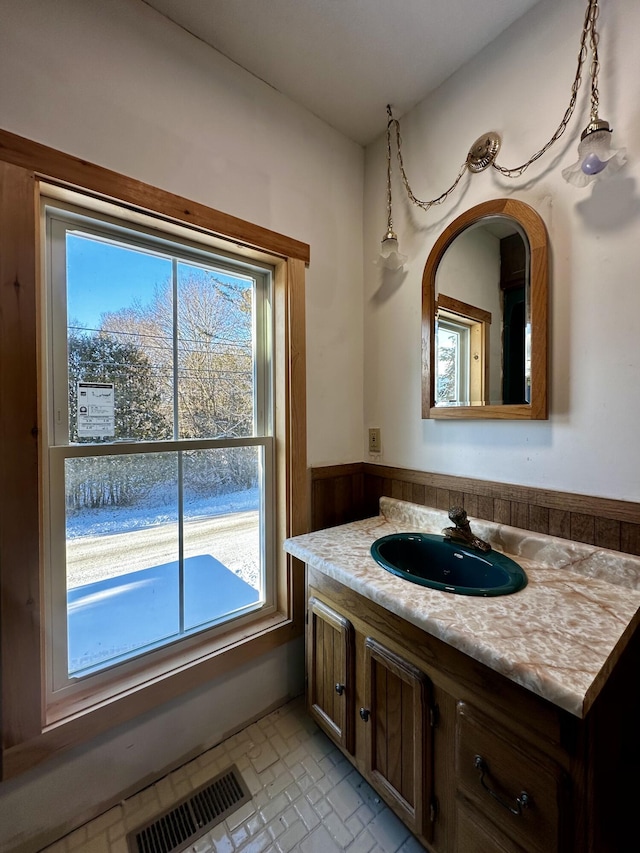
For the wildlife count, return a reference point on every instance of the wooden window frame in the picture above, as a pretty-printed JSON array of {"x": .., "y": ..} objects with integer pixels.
[
  {"x": 27, "y": 739},
  {"x": 478, "y": 321}
]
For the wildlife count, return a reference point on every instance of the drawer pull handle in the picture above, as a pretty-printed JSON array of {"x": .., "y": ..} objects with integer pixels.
[
  {"x": 364, "y": 714},
  {"x": 521, "y": 802},
  {"x": 339, "y": 689}
]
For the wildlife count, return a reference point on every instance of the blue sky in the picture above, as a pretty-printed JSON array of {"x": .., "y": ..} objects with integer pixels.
[{"x": 102, "y": 277}]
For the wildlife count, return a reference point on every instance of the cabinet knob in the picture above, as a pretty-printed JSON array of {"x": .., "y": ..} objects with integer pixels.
[
  {"x": 365, "y": 714},
  {"x": 339, "y": 689},
  {"x": 521, "y": 802}
]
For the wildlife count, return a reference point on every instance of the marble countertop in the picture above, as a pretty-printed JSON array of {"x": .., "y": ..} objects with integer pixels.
[{"x": 559, "y": 637}]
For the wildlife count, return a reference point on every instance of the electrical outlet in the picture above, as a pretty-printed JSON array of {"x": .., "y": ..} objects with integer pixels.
[{"x": 374, "y": 440}]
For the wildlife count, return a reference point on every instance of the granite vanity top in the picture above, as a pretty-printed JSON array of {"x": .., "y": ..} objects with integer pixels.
[{"x": 559, "y": 637}]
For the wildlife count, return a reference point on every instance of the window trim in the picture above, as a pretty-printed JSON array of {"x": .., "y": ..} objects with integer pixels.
[
  {"x": 58, "y": 219},
  {"x": 24, "y": 164}
]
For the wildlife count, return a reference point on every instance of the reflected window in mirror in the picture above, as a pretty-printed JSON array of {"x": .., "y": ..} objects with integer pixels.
[
  {"x": 485, "y": 315},
  {"x": 462, "y": 361}
]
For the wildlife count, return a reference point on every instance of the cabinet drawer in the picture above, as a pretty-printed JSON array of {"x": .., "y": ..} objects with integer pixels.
[
  {"x": 472, "y": 834},
  {"x": 521, "y": 791}
]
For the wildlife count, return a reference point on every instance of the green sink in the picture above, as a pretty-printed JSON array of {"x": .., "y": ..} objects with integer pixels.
[{"x": 436, "y": 562}]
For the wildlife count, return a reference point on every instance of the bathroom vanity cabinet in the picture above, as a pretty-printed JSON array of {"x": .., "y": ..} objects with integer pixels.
[{"x": 468, "y": 759}]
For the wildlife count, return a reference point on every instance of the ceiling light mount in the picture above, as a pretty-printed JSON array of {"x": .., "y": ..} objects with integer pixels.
[{"x": 483, "y": 152}]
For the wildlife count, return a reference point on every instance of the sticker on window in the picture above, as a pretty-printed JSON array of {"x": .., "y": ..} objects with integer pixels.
[{"x": 96, "y": 410}]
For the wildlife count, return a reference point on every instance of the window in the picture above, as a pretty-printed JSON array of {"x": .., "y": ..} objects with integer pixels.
[
  {"x": 462, "y": 353},
  {"x": 452, "y": 361},
  {"x": 159, "y": 416},
  {"x": 147, "y": 437}
]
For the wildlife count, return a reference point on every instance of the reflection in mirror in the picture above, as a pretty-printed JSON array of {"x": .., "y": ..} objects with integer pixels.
[{"x": 484, "y": 316}]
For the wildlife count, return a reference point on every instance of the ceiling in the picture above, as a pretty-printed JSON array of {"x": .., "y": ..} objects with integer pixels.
[{"x": 345, "y": 60}]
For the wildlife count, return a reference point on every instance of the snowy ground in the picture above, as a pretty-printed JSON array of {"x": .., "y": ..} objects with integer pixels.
[
  {"x": 158, "y": 509},
  {"x": 105, "y": 543}
]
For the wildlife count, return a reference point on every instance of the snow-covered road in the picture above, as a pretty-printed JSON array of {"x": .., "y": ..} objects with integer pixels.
[{"x": 233, "y": 539}]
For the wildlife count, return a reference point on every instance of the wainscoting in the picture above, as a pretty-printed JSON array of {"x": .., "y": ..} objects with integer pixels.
[{"x": 343, "y": 493}]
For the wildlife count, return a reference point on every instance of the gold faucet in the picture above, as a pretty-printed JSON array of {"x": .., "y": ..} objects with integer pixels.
[{"x": 462, "y": 530}]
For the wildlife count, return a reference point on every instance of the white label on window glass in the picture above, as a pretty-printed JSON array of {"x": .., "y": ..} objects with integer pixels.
[{"x": 96, "y": 410}]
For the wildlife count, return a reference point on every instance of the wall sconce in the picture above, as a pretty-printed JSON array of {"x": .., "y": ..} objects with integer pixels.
[
  {"x": 596, "y": 157},
  {"x": 595, "y": 154}
]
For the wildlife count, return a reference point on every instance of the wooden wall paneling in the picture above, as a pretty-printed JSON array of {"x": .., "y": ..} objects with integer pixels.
[
  {"x": 560, "y": 523},
  {"x": 538, "y": 519},
  {"x": 583, "y": 528},
  {"x": 470, "y": 503},
  {"x": 486, "y": 507},
  {"x": 443, "y": 499},
  {"x": 456, "y": 498},
  {"x": 520, "y": 514},
  {"x": 604, "y": 522},
  {"x": 501, "y": 511},
  {"x": 568, "y": 501},
  {"x": 373, "y": 491},
  {"x": 630, "y": 538},
  {"x": 430, "y": 495},
  {"x": 607, "y": 533},
  {"x": 396, "y": 489},
  {"x": 337, "y": 495},
  {"x": 418, "y": 493},
  {"x": 333, "y": 502}
]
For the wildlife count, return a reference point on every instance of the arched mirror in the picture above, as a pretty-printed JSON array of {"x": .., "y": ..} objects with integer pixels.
[{"x": 484, "y": 316}]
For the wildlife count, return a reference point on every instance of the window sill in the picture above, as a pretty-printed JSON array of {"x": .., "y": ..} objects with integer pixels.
[{"x": 126, "y": 698}]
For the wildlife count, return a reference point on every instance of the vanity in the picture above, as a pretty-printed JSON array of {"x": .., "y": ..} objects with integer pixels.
[{"x": 488, "y": 724}]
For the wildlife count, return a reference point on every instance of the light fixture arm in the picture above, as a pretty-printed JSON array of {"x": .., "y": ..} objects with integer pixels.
[
  {"x": 588, "y": 33},
  {"x": 484, "y": 151},
  {"x": 390, "y": 233},
  {"x": 593, "y": 12},
  {"x": 425, "y": 205}
]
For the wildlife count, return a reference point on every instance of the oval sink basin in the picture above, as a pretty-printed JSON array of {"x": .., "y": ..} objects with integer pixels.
[{"x": 436, "y": 562}]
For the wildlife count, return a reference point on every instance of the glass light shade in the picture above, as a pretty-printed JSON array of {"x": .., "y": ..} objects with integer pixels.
[
  {"x": 390, "y": 258},
  {"x": 596, "y": 159}
]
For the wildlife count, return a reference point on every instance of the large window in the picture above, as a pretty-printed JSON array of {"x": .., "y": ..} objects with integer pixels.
[
  {"x": 160, "y": 437},
  {"x": 152, "y": 447}
]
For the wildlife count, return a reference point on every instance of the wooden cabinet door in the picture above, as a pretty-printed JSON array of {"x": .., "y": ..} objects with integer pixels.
[
  {"x": 397, "y": 713},
  {"x": 330, "y": 672}
]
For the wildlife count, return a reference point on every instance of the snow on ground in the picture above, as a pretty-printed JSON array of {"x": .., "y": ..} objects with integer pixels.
[
  {"x": 157, "y": 510},
  {"x": 103, "y": 543}
]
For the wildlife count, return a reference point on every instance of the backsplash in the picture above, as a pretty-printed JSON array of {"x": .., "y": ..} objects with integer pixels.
[{"x": 343, "y": 493}]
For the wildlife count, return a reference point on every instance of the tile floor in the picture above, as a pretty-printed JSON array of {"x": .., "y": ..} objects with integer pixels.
[{"x": 306, "y": 797}]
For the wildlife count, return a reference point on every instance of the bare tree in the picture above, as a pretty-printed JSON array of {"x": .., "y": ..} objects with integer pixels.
[{"x": 201, "y": 351}]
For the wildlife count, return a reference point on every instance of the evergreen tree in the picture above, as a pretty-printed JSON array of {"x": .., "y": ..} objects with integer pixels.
[
  {"x": 138, "y": 402},
  {"x": 116, "y": 480}
]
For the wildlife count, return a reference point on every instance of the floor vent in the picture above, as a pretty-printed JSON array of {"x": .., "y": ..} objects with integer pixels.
[{"x": 193, "y": 816}]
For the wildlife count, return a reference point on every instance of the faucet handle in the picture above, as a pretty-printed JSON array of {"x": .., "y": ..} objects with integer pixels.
[{"x": 458, "y": 515}]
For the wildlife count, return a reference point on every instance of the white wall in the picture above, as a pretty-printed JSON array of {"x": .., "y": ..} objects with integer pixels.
[
  {"x": 119, "y": 85},
  {"x": 520, "y": 86},
  {"x": 54, "y": 797}
]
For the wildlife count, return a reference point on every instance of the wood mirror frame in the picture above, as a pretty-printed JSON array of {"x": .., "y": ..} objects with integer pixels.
[{"x": 535, "y": 232}]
